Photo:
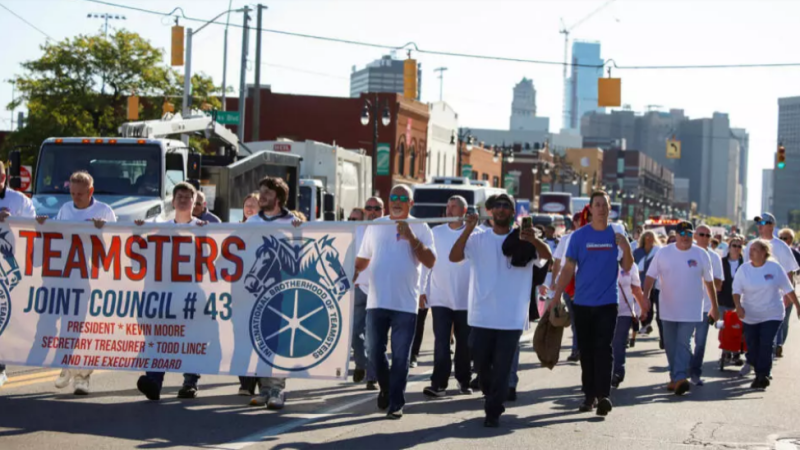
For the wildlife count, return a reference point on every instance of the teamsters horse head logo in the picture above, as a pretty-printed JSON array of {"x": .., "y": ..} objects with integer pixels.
[
  {"x": 9, "y": 278},
  {"x": 298, "y": 283}
]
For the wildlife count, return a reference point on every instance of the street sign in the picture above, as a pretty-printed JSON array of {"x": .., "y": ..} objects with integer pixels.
[
  {"x": 282, "y": 148},
  {"x": 673, "y": 149},
  {"x": 466, "y": 171},
  {"x": 509, "y": 183},
  {"x": 225, "y": 117},
  {"x": 383, "y": 159},
  {"x": 25, "y": 178}
]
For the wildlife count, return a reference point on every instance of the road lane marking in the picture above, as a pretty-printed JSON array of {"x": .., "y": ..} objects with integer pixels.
[
  {"x": 303, "y": 419},
  {"x": 32, "y": 376}
]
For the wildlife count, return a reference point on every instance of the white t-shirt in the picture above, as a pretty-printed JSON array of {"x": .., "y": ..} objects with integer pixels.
[
  {"x": 717, "y": 273},
  {"x": 395, "y": 270},
  {"x": 734, "y": 264},
  {"x": 448, "y": 282},
  {"x": 682, "y": 274},
  {"x": 762, "y": 290},
  {"x": 642, "y": 261},
  {"x": 561, "y": 248},
  {"x": 17, "y": 204},
  {"x": 499, "y": 293},
  {"x": 781, "y": 252},
  {"x": 95, "y": 210},
  {"x": 194, "y": 221},
  {"x": 364, "y": 276},
  {"x": 284, "y": 217},
  {"x": 628, "y": 301}
]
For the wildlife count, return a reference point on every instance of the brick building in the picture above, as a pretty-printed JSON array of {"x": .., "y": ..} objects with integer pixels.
[
  {"x": 644, "y": 186},
  {"x": 483, "y": 166}
]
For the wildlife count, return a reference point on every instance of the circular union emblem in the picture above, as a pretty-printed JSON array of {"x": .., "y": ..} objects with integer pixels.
[
  {"x": 5, "y": 306},
  {"x": 295, "y": 325}
]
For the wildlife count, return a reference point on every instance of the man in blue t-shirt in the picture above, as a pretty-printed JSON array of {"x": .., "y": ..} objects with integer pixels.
[{"x": 592, "y": 256}]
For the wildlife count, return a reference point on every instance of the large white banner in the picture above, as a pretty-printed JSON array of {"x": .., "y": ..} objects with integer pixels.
[{"x": 239, "y": 299}]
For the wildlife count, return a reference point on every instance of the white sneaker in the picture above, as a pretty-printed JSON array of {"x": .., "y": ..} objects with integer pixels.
[
  {"x": 3, "y": 378},
  {"x": 276, "y": 399},
  {"x": 81, "y": 385},
  {"x": 63, "y": 379},
  {"x": 745, "y": 370},
  {"x": 259, "y": 400},
  {"x": 244, "y": 392}
]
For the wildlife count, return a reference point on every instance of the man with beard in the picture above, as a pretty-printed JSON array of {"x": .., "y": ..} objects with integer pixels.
[
  {"x": 273, "y": 193},
  {"x": 499, "y": 294},
  {"x": 395, "y": 256},
  {"x": 373, "y": 210},
  {"x": 592, "y": 254}
]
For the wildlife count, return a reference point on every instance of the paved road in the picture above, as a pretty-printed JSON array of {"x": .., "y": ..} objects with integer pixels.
[{"x": 725, "y": 413}]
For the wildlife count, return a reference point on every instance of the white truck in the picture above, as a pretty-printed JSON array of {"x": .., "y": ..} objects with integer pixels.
[
  {"x": 333, "y": 180},
  {"x": 135, "y": 172}
]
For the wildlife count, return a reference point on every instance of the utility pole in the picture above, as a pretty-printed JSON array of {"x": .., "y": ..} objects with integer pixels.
[
  {"x": 243, "y": 73},
  {"x": 257, "y": 91},
  {"x": 225, "y": 58},
  {"x": 187, "y": 82},
  {"x": 441, "y": 71}
]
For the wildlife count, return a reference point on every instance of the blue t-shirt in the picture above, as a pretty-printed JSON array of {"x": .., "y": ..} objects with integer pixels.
[{"x": 595, "y": 254}]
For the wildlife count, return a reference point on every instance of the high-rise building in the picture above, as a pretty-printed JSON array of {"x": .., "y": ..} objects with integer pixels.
[
  {"x": 383, "y": 75},
  {"x": 523, "y": 109},
  {"x": 743, "y": 137},
  {"x": 581, "y": 89},
  {"x": 767, "y": 179},
  {"x": 786, "y": 196}
]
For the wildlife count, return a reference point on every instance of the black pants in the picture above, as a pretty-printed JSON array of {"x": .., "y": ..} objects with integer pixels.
[
  {"x": 595, "y": 327},
  {"x": 444, "y": 320},
  {"x": 493, "y": 351},
  {"x": 422, "y": 314}
]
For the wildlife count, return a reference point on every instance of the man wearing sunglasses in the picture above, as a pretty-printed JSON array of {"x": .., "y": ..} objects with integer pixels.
[
  {"x": 395, "y": 254},
  {"x": 783, "y": 254},
  {"x": 684, "y": 272},
  {"x": 372, "y": 211},
  {"x": 702, "y": 237}
]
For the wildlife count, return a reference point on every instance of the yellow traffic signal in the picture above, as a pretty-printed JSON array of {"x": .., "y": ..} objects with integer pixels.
[
  {"x": 410, "y": 78},
  {"x": 781, "y": 156},
  {"x": 177, "y": 45},
  {"x": 609, "y": 92},
  {"x": 133, "y": 107}
]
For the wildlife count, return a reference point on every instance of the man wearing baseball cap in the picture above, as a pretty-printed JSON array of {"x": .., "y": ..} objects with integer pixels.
[
  {"x": 783, "y": 254},
  {"x": 685, "y": 273}
]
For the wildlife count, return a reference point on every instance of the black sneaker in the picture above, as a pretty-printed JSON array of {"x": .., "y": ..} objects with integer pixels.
[
  {"x": 574, "y": 357},
  {"x": 616, "y": 380},
  {"x": 604, "y": 406},
  {"x": 433, "y": 392},
  {"x": 149, "y": 388},
  {"x": 188, "y": 392},
  {"x": 372, "y": 385},
  {"x": 464, "y": 389},
  {"x": 632, "y": 343},
  {"x": 512, "y": 394},
  {"x": 475, "y": 384},
  {"x": 587, "y": 406},
  {"x": 683, "y": 387},
  {"x": 395, "y": 415},
  {"x": 661, "y": 344},
  {"x": 359, "y": 375},
  {"x": 779, "y": 351},
  {"x": 383, "y": 400},
  {"x": 491, "y": 422}
]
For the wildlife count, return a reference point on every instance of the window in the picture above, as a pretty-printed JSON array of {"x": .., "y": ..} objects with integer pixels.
[
  {"x": 485, "y": 177},
  {"x": 439, "y": 164},
  {"x": 413, "y": 164},
  {"x": 401, "y": 158}
]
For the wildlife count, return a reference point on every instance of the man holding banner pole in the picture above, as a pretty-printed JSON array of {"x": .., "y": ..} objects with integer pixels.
[{"x": 395, "y": 256}]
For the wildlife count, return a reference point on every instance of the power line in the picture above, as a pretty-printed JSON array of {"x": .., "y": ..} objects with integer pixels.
[
  {"x": 415, "y": 47},
  {"x": 28, "y": 23}
]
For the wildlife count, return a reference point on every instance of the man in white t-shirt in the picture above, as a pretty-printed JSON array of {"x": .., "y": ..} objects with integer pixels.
[
  {"x": 395, "y": 255},
  {"x": 372, "y": 210},
  {"x": 447, "y": 295},
  {"x": 558, "y": 262},
  {"x": 12, "y": 204},
  {"x": 499, "y": 295},
  {"x": 684, "y": 271},
  {"x": 149, "y": 384},
  {"x": 781, "y": 253},
  {"x": 83, "y": 207},
  {"x": 273, "y": 194},
  {"x": 702, "y": 237}
]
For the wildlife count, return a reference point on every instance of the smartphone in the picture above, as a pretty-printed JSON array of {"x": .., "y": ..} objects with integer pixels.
[{"x": 527, "y": 223}]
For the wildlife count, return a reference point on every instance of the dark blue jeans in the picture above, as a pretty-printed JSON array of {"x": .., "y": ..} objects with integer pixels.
[
  {"x": 445, "y": 319},
  {"x": 189, "y": 379},
  {"x": 493, "y": 351},
  {"x": 570, "y": 304},
  {"x": 2, "y": 367},
  {"x": 360, "y": 344},
  {"x": 402, "y": 325},
  {"x": 620, "y": 344},
  {"x": 759, "y": 338},
  {"x": 700, "y": 339}
]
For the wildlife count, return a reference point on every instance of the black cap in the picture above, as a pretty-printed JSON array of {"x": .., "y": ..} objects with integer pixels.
[
  {"x": 507, "y": 198},
  {"x": 685, "y": 226},
  {"x": 766, "y": 217}
]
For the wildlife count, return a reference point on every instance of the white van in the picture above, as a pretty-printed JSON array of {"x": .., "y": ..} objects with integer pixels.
[{"x": 430, "y": 200}]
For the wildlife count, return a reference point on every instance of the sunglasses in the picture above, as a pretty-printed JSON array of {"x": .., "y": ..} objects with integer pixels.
[
  {"x": 399, "y": 198},
  {"x": 372, "y": 208},
  {"x": 686, "y": 233},
  {"x": 502, "y": 205},
  {"x": 764, "y": 222},
  {"x": 787, "y": 238},
  {"x": 703, "y": 235},
  {"x": 736, "y": 246}
]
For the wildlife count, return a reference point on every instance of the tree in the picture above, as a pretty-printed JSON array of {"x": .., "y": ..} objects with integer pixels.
[{"x": 80, "y": 86}]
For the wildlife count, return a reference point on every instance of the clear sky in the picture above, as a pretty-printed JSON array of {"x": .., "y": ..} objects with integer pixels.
[{"x": 632, "y": 32}]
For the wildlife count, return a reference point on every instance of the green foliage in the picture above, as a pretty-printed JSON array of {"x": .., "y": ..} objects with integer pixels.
[{"x": 80, "y": 86}]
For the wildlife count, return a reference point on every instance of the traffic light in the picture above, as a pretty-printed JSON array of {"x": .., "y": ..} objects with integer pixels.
[
  {"x": 177, "y": 46},
  {"x": 781, "y": 156},
  {"x": 133, "y": 107}
]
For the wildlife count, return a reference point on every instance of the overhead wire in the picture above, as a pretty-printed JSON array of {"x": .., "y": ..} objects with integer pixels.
[{"x": 26, "y": 22}]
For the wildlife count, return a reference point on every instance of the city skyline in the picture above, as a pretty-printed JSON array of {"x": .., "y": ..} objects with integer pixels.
[{"x": 479, "y": 90}]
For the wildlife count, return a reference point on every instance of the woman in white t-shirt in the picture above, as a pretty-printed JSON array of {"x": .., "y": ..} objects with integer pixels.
[
  {"x": 760, "y": 288},
  {"x": 630, "y": 294}
]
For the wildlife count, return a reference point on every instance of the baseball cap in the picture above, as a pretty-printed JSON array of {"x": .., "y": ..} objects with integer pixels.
[
  {"x": 766, "y": 217},
  {"x": 490, "y": 201},
  {"x": 505, "y": 197},
  {"x": 684, "y": 226}
]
